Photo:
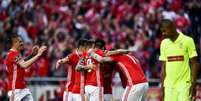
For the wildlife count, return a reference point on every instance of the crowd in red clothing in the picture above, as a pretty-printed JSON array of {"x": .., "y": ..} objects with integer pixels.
[{"x": 130, "y": 24}]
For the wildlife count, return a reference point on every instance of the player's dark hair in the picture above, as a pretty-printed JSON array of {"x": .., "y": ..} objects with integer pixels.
[
  {"x": 167, "y": 23},
  {"x": 12, "y": 39},
  {"x": 99, "y": 43},
  {"x": 90, "y": 42},
  {"x": 82, "y": 42}
]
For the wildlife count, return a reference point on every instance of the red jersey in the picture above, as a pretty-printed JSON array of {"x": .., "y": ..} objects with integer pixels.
[
  {"x": 79, "y": 81},
  {"x": 95, "y": 77},
  {"x": 77, "y": 74},
  {"x": 15, "y": 72},
  {"x": 108, "y": 74},
  {"x": 73, "y": 59},
  {"x": 78, "y": 86},
  {"x": 131, "y": 68}
]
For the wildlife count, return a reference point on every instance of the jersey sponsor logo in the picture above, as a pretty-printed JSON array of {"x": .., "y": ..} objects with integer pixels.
[{"x": 175, "y": 58}]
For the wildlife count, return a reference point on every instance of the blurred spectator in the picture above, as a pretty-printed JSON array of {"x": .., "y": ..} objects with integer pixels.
[
  {"x": 168, "y": 13},
  {"x": 182, "y": 21},
  {"x": 3, "y": 92}
]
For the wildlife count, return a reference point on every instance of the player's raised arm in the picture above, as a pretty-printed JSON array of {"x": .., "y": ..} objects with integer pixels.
[{"x": 26, "y": 64}]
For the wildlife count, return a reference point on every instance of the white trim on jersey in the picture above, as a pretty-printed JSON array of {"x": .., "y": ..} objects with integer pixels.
[
  {"x": 99, "y": 83},
  {"x": 12, "y": 97}
]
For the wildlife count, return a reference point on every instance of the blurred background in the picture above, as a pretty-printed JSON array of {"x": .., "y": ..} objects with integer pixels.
[{"x": 129, "y": 24}]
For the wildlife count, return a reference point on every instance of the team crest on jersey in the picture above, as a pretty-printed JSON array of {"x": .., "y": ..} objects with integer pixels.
[{"x": 180, "y": 45}]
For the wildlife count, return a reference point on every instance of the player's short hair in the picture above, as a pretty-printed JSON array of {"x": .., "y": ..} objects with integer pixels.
[
  {"x": 99, "y": 43},
  {"x": 90, "y": 42},
  {"x": 12, "y": 39},
  {"x": 167, "y": 23},
  {"x": 82, "y": 42}
]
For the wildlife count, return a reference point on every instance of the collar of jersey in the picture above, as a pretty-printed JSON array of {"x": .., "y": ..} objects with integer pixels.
[
  {"x": 178, "y": 38},
  {"x": 13, "y": 50}
]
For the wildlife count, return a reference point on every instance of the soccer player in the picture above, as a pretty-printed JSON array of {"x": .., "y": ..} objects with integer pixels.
[
  {"x": 94, "y": 78},
  {"x": 16, "y": 66},
  {"x": 137, "y": 85},
  {"x": 178, "y": 55},
  {"x": 73, "y": 77}
]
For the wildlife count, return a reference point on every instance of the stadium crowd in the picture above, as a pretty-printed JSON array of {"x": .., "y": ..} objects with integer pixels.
[{"x": 128, "y": 24}]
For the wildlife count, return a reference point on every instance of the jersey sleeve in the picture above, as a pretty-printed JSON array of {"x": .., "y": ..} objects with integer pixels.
[
  {"x": 191, "y": 48},
  {"x": 162, "y": 57}
]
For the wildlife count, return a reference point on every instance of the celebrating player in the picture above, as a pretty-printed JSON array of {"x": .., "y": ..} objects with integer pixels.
[
  {"x": 73, "y": 78},
  {"x": 16, "y": 66},
  {"x": 137, "y": 84}
]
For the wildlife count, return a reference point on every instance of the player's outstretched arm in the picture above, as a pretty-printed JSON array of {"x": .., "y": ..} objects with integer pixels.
[
  {"x": 117, "y": 52},
  {"x": 100, "y": 58},
  {"x": 26, "y": 64},
  {"x": 62, "y": 61}
]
